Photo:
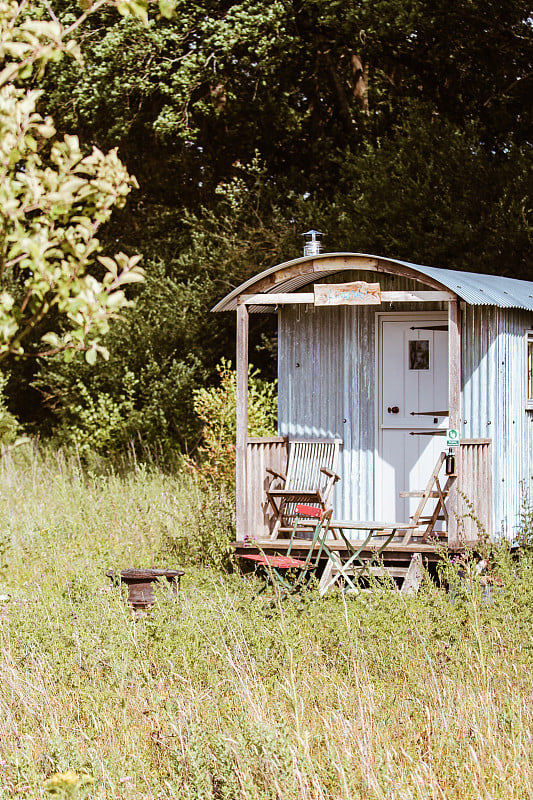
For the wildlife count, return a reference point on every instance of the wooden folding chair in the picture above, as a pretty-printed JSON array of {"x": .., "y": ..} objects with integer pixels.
[
  {"x": 311, "y": 476},
  {"x": 288, "y": 575},
  {"x": 433, "y": 491}
]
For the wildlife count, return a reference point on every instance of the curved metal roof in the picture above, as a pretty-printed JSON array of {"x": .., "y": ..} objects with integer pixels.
[{"x": 474, "y": 288}]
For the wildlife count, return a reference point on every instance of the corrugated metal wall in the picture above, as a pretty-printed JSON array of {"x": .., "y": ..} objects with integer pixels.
[
  {"x": 326, "y": 372},
  {"x": 327, "y": 359},
  {"x": 326, "y": 379},
  {"x": 494, "y": 400}
]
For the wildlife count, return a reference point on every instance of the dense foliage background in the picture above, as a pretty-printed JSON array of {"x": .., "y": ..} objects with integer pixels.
[{"x": 397, "y": 128}]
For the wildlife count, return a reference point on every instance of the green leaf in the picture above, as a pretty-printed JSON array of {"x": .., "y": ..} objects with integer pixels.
[
  {"x": 25, "y": 72},
  {"x": 52, "y": 339},
  {"x": 110, "y": 265},
  {"x": 137, "y": 8},
  {"x": 167, "y": 8},
  {"x": 91, "y": 356}
]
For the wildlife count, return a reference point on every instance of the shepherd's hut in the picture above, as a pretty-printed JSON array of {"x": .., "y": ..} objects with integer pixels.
[{"x": 400, "y": 363}]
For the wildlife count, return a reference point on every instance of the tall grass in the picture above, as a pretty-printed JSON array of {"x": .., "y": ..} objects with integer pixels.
[{"x": 224, "y": 695}]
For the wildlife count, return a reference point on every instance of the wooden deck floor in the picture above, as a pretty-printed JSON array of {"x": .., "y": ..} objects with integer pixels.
[{"x": 395, "y": 555}]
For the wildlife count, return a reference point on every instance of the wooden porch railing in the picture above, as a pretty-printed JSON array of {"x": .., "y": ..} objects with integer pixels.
[
  {"x": 471, "y": 503},
  {"x": 261, "y": 452}
]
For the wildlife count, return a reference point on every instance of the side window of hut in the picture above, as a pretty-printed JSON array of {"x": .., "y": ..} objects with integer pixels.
[{"x": 529, "y": 396}]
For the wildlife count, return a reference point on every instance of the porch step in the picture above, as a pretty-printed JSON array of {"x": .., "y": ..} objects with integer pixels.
[{"x": 394, "y": 572}]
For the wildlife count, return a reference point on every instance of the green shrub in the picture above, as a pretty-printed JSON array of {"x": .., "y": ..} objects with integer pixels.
[
  {"x": 99, "y": 423},
  {"x": 153, "y": 368},
  {"x": 9, "y": 425},
  {"x": 216, "y": 408},
  {"x": 524, "y": 536},
  {"x": 200, "y": 526}
]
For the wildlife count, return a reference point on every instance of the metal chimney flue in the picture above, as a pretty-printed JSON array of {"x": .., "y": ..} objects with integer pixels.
[{"x": 313, "y": 243}]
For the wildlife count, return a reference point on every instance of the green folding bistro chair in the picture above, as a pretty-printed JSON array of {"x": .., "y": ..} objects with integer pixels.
[{"x": 289, "y": 575}]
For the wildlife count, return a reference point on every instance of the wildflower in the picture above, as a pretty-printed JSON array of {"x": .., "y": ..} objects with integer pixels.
[{"x": 68, "y": 785}]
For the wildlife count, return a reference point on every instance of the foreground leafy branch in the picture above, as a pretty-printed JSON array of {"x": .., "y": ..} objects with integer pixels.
[{"x": 53, "y": 201}]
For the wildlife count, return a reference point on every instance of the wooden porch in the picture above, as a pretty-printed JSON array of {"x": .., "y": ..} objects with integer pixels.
[
  {"x": 396, "y": 557},
  {"x": 468, "y": 504}
]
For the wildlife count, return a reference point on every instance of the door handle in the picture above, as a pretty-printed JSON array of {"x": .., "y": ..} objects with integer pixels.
[{"x": 393, "y": 410}]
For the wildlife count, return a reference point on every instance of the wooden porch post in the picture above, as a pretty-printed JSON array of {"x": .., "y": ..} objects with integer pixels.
[
  {"x": 454, "y": 400},
  {"x": 242, "y": 418}
]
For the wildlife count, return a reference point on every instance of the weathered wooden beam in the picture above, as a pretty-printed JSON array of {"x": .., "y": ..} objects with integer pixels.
[
  {"x": 294, "y": 298},
  {"x": 340, "y": 263},
  {"x": 475, "y": 485},
  {"x": 406, "y": 272},
  {"x": 242, "y": 418},
  {"x": 454, "y": 405},
  {"x": 266, "y": 440},
  {"x": 302, "y": 545}
]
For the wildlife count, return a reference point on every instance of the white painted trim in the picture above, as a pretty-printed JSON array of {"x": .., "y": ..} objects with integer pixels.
[
  {"x": 294, "y": 298},
  {"x": 529, "y": 400}
]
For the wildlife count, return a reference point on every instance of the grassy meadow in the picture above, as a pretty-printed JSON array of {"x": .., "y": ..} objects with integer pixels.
[{"x": 224, "y": 695}]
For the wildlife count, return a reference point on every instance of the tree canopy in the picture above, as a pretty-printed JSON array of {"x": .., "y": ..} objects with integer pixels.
[{"x": 397, "y": 128}]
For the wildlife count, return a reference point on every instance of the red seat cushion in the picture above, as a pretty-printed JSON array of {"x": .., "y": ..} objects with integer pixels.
[
  {"x": 282, "y": 562},
  {"x": 309, "y": 511}
]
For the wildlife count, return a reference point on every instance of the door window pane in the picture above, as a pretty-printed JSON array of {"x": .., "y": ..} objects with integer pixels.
[{"x": 419, "y": 354}]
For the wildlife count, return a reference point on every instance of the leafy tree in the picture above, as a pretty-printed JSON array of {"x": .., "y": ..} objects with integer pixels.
[
  {"x": 53, "y": 201},
  {"x": 401, "y": 128},
  {"x": 296, "y": 81},
  {"x": 169, "y": 342},
  {"x": 397, "y": 112},
  {"x": 433, "y": 195}
]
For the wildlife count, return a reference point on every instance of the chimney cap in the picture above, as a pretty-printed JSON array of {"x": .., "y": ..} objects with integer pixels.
[{"x": 313, "y": 242}]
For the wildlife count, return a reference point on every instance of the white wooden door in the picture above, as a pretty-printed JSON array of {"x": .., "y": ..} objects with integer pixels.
[{"x": 412, "y": 408}]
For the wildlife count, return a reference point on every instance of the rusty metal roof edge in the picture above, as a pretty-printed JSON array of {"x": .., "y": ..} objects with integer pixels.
[{"x": 472, "y": 287}]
